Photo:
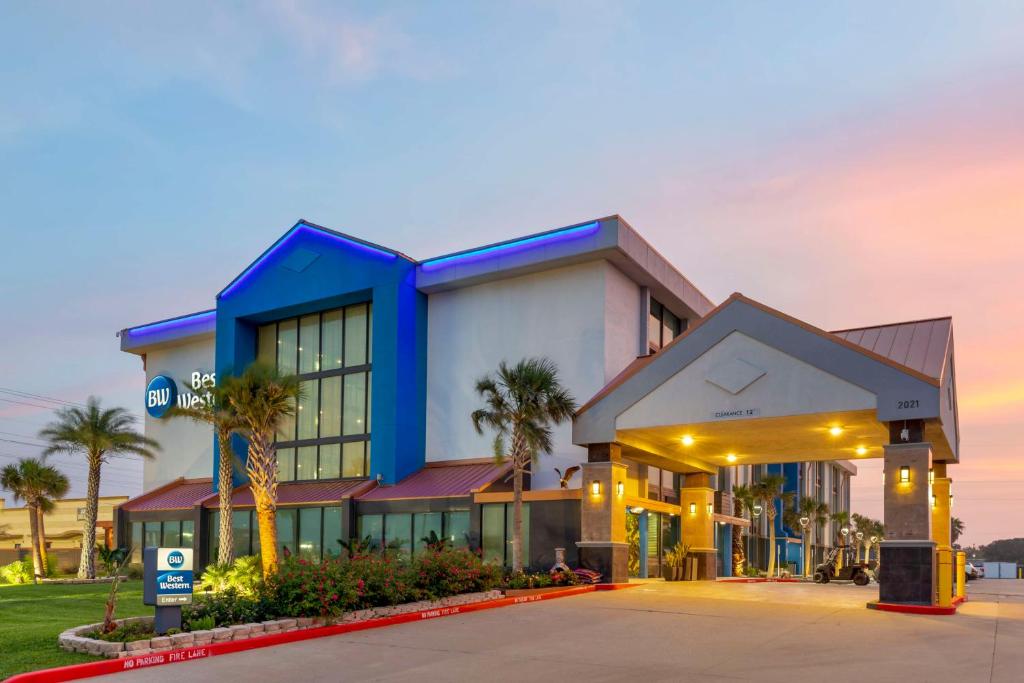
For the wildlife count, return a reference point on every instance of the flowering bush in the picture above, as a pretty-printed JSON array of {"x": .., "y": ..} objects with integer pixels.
[
  {"x": 541, "y": 579},
  {"x": 441, "y": 572},
  {"x": 229, "y": 607},
  {"x": 312, "y": 589}
]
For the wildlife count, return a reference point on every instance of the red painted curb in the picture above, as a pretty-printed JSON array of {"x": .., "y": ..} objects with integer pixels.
[
  {"x": 614, "y": 586},
  {"x": 110, "y": 666},
  {"x": 913, "y": 609}
]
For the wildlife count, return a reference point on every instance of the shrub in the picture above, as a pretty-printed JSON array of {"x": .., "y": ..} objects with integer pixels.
[
  {"x": 245, "y": 576},
  {"x": 125, "y": 633},
  {"x": 439, "y": 572},
  {"x": 382, "y": 580},
  {"x": 541, "y": 579},
  {"x": 19, "y": 571},
  {"x": 312, "y": 589},
  {"x": 134, "y": 571},
  {"x": 200, "y": 623},
  {"x": 229, "y": 607}
]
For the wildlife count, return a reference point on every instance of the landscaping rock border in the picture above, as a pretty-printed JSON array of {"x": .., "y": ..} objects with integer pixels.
[{"x": 73, "y": 640}]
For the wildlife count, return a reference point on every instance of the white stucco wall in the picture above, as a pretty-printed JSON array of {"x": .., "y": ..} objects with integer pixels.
[
  {"x": 187, "y": 446},
  {"x": 584, "y": 317}
]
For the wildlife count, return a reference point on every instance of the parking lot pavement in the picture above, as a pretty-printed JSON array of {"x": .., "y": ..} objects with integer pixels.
[{"x": 663, "y": 632}]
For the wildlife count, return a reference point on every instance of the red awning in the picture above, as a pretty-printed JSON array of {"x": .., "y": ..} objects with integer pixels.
[
  {"x": 180, "y": 494},
  {"x": 442, "y": 480},
  {"x": 300, "y": 492}
]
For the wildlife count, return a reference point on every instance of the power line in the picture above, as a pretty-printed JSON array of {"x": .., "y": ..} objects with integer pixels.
[{"x": 27, "y": 394}]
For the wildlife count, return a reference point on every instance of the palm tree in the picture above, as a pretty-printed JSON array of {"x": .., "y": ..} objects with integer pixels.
[
  {"x": 743, "y": 503},
  {"x": 261, "y": 399},
  {"x": 873, "y": 529},
  {"x": 956, "y": 529},
  {"x": 99, "y": 434},
  {"x": 216, "y": 411},
  {"x": 766, "y": 492},
  {"x": 522, "y": 403},
  {"x": 840, "y": 519},
  {"x": 816, "y": 513},
  {"x": 37, "y": 484},
  {"x": 863, "y": 524}
]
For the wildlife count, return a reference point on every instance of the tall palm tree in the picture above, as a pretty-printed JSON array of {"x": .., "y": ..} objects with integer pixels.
[
  {"x": 767, "y": 492},
  {"x": 218, "y": 412},
  {"x": 840, "y": 520},
  {"x": 99, "y": 434},
  {"x": 522, "y": 403},
  {"x": 37, "y": 484},
  {"x": 743, "y": 504},
  {"x": 261, "y": 398},
  {"x": 956, "y": 529},
  {"x": 873, "y": 529},
  {"x": 863, "y": 524},
  {"x": 816, "y": 513}
]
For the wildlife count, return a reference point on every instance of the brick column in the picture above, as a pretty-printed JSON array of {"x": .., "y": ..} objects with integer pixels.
[
  {"x": 942, "y": 534},
  {"x": 697, "y": 523},
  {"x": 602, "y": 544},
  {"x": 907, "y": 555}
]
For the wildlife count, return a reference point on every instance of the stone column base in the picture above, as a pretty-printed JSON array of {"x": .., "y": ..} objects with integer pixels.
[
  {"x": 609, "y": 559},
  {"x": 906, "y": 572}
]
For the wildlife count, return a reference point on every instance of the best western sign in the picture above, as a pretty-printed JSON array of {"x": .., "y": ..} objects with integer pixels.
[
  {"x": 173, "y": 577},
  {"x": 162, "y": 393}
]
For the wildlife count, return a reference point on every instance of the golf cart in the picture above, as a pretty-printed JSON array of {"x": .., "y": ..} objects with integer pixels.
[{"x": 851, "y": 571}]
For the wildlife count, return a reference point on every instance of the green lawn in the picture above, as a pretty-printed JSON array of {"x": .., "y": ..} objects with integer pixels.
[{"x": 31, "y": 618}]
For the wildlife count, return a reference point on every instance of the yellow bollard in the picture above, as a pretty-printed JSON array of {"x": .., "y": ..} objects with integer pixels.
[
  {"x": 961, "y": 574},
  {"x": 944, "y": 562}
]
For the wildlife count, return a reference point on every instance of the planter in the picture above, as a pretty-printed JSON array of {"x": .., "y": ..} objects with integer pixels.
[
  {"x": 673, "y": 573},
  {"x": 519, "y": 592},
  {"x": 74, "y": 640}
]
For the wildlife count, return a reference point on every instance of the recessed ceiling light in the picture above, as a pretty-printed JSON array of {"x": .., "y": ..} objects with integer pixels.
[
  {"x": 835, "y": 431},
  {"x": 731, "y": 457},
  {"x": 687, "y": 440},
  {"x": 861, "y": 450}
]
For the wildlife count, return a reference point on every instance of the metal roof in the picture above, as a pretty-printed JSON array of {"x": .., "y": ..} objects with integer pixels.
[
  {"x": 300, "y": 492},
  {"x": 442, "y": 480},
  {"x": 920, "y": 345},
  {"x": 180, "y": 494}
]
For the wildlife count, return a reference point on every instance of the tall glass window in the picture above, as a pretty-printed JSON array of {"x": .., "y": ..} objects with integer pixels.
[
  {"x": 662, "y": 326},
  {"x": 329, "y": 435},
  {"x": 496, "y": 530}
]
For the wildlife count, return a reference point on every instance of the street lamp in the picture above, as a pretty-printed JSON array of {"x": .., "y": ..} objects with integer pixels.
[
  {"x": 757, "y": 509},
  {"x": 804, "y": 521},
  {"x": 860, "y": 535}
]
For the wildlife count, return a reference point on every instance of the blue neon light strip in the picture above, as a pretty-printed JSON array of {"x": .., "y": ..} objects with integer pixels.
[
  {"x": 363, "y": 246},
  {"x": 190, "y": 320},
  {"x": 513, "y": 246}
]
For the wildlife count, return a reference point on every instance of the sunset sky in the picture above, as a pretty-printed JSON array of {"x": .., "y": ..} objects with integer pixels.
[{"x": 849, "y": 165}]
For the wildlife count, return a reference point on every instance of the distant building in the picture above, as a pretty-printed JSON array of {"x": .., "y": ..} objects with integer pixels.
[{"x": 63, "y": 529}]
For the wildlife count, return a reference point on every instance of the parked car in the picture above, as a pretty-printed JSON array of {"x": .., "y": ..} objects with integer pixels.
[{"x": 973, "y": 572}]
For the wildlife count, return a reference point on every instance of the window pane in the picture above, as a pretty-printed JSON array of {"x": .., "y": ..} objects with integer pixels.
[
  {"x": 352, "y": 461},
  {"x": 354, "y": 419},
  {"x": 332, "y": 531},
  {"x": 423, "y": 524},
  {"x": 330, "y": 461},
  {"x": 266, "y": 345},
  {"x": 355, "y": 335},
  {"x": 151, "y": 534},
  {"x": 136, "y": 542},
  {"x": 172, "y": 534},
  {"x": 286, "y": 429},
  {"x": 369, "y": 333},
  {"x": 330, "y": 407},
  {"x": 240, "y": 528},
  {"x": 187, "y": 532},
  {"x": 492, "y": 530},
  {"x": 309, "y": 343},
  {"x": 332, "y": 340},
  {"x": 255, "y": 543},
  {"x": 309, "y": 533},
  {"x": 286, "y": 530},
  {"x": 456, "y": 528},
  {"x": 369, "y": 398},
  {"x": 308, "y": 406},
  {"x": 305, "y": 463},
  {"x": 287, "y": 343},
  {"x": 214, "y": 535},
  {"x": 285, "y": 464},
  {"x": 398, "y": 530},
  {"x": 372, "y": 526}
]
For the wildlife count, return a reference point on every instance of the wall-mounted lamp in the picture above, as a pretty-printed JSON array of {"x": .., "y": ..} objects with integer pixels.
[
  {"x": 931, "y": 476},
  {"x": 934, "y": 503},
  {"x": 620, "y": 488},
  {"x": 757, "y": 509},
  {"x": 595, "y": 488},
  {"x": 904, "y": 474},
  {"x": 693, "y": 508},
  {"x": 951, "y": 500},
  {"x": 711, "y": 509}
]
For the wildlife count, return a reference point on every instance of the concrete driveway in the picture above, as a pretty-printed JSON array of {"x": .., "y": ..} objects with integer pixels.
[{"x": 662, "y": 632}]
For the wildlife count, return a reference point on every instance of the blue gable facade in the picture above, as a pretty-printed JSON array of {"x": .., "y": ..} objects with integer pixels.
[{"x": 311, "y": 268}]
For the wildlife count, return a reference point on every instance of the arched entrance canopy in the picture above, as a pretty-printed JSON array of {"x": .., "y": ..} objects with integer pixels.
[{"x": 748, "y": 385}]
